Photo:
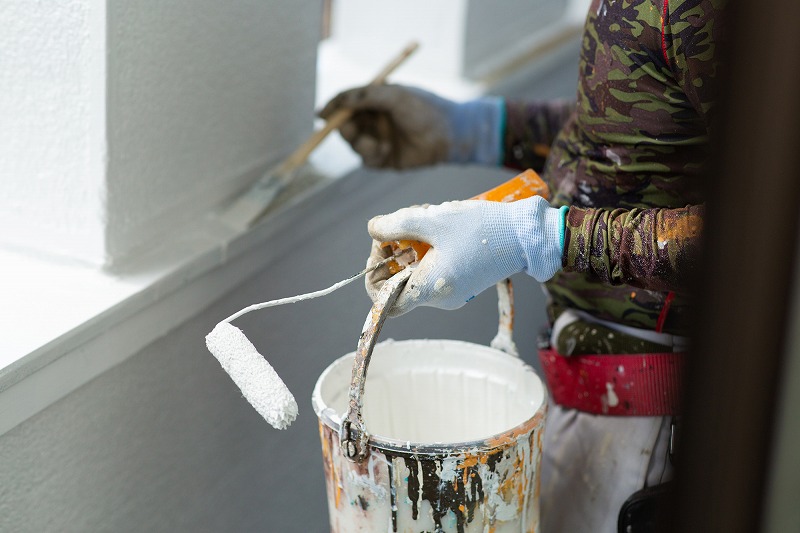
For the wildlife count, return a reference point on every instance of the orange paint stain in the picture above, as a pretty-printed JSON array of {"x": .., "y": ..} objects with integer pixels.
[
  {"x": 542, "y": 150},
  {"x": 682, "y": 228},
  {"x": 331, "y": 475},
  {"x": 468, "y": 462}
]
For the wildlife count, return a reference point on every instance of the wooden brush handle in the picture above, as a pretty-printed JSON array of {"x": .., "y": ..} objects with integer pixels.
[
  {"x": 299, "y": 156},
  {"x": 521, "y": 186}
]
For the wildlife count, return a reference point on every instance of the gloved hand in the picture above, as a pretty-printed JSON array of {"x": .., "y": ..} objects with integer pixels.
[
  {"x": 474, "y": 243},
  {"x": 403, "y": 127}
]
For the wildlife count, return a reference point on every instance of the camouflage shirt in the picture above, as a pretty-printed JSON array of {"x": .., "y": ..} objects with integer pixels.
[{"x": 626, "y": 157}]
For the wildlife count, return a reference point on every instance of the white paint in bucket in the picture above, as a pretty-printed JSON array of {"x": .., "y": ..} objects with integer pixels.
[{"x": 466, "y": 415}]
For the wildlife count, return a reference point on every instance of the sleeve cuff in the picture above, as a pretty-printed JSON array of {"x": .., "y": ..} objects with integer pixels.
[{"x": 562, "y": 211}]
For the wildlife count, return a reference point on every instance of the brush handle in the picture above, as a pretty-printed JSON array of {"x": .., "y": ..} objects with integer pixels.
[{"x": 299, "y": 156}]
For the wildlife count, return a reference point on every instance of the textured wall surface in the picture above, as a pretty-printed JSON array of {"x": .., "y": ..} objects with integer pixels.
[
  {"x": 122, "y": 121},
  {"x": 51, "y": 126},
  {"x": 201, "y": 93}
]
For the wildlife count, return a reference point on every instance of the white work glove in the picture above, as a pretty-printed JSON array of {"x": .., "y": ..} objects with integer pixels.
[
  {"x": 474, "y": 243},
  {"x": 403, "y": 127}
]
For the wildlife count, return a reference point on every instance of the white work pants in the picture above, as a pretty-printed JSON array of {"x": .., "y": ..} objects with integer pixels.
[{"x": 591, "y": 464}]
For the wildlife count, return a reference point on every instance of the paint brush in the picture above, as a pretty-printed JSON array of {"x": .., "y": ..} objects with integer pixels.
[
  {"x": 255, "y": 377},
  {"x": 251, "y": 206}
]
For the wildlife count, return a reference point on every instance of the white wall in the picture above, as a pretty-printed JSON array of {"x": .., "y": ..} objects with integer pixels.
[
  {"x": 122, "y": 121},
  {"x": 52, "y": 126},
  {"x": 371, "y": 32},
  {"x": 459, "y": 38},
  {"x": 201, "y": 94}
]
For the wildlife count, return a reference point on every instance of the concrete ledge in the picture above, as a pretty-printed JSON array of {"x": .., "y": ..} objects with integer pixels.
[{"x": 49, "y": 351}]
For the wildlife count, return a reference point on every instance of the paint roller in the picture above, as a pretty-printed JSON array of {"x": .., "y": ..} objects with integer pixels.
[
  {"x": 256, "y": 378},
  {"x": 258, "y": 381}
]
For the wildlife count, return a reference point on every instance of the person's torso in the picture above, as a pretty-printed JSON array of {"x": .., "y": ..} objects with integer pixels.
[{"x": 636, "y": 139}]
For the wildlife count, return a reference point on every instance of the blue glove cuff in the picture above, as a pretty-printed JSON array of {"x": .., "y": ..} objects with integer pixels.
[
  {"x": 477, "y": 129},
  {"x": 562, "y": 211}
]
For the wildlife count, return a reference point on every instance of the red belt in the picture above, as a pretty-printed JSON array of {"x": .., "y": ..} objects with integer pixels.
[{"x": 647, "y": 384}]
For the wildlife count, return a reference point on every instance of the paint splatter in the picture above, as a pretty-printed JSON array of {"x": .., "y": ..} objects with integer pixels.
[
  {"x": 613, "y": 399},
  {"x": 494, "y": 484}
]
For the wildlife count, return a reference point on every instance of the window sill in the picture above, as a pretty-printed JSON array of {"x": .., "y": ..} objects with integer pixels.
[{"x": 65, "y": 324}]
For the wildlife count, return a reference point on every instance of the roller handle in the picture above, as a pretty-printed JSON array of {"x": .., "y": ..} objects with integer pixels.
[
  {"x": 299, "y": 156},
  {"x": 521, "y": 186}
]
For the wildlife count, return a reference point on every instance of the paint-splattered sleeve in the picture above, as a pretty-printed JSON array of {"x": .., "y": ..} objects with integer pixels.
[
  {"x": 531, "y": 127},
  {"x": 655, "y": 249}
]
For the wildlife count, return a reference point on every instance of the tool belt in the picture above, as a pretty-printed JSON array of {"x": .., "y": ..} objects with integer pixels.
[{"x": 647, "y": 384}]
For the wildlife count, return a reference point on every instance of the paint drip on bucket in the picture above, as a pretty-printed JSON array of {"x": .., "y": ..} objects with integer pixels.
[
  {"x": 432, "y": 483},
  {"x": 493, "y": 490}
]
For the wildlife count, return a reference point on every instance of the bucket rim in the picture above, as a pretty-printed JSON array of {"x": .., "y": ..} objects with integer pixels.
[{"x": 329, "y": 417}]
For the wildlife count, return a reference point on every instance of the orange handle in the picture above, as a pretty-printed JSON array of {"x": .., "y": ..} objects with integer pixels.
[{"x": 521, "y": 186}]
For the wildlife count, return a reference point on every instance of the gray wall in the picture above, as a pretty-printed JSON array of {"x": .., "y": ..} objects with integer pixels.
[{"x": 164, "y": 441}]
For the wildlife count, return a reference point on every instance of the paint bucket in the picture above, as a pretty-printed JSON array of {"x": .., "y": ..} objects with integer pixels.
[{"x": 454, "y": 441}]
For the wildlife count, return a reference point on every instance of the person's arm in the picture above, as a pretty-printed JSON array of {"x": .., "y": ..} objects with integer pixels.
[
  {"x": 530, "y": 129},
  {"x": 393, "y": 126},
  {"x": 476, "y": 244},
  {"x": 404, "y": 127},
  {"x": 655, "y": 249}
]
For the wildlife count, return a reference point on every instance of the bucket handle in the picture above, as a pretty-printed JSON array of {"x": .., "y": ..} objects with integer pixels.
[
  {"x": 504, "y": 340},
  {"x": 353, "y": 436}
]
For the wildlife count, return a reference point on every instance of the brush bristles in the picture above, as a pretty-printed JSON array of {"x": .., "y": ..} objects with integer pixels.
[{"x": 256, "y": 378}]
